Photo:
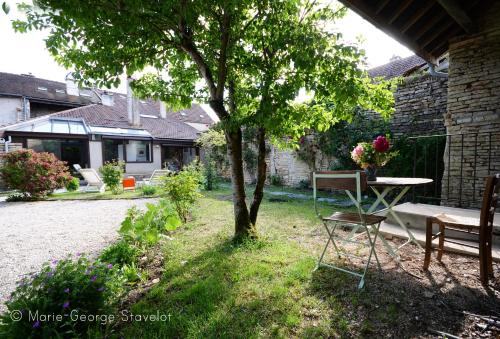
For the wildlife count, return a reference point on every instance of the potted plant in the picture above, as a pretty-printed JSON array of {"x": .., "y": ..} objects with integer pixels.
[{"x": 374, "y": 155}]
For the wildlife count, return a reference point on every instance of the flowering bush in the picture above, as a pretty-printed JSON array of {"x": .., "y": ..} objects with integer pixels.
[
  {"x": 376, "y": 153},
  {"x": 112, "y": 173},
  {"x": 34, "y": 174},
  {"x": 53, "y": 302}
]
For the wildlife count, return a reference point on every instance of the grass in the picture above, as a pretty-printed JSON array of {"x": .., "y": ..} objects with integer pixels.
[
  {"x": 107, "y": 195},
  {"x": 211, "y": 288},
  {"x": 269, "y": 288}
]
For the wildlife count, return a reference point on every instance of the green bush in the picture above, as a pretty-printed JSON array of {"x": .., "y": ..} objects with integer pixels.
[
  {"x": 146, "y": 227},
  {"x": 112, "y": 173},
  {"x": 210, "y": 175},
  {"x": 120, "y": 253},
  {"x": 183, "y": 189},
  {"x": 304, "y": 184},
  {"x": 33, "y": 174},
  {"x": 69, "y": 289},
  {"x": 148, "y": 190},
  {"x": 276, "y": 180},
  {"x": 73, "y": 185}
]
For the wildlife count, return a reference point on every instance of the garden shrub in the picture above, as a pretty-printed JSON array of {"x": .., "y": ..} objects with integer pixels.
[
  {"x": 112, "y": 173},
  {"x": 183, "y": 189},
  {"x": 145, "y": 227},
  {"x": 276, "y": 180},
  {"x": 210, "y": 175},
  {"x": 120, "y": 253},
  {"x": 70, "y": 289},
  {"x": 33, "y": 174},
  {"x": 148, "y": 190},
  {"x": 73, "y": 185}
]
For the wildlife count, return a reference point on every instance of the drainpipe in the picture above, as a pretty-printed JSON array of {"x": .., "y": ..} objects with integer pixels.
[{"x": 434, "y": 73}]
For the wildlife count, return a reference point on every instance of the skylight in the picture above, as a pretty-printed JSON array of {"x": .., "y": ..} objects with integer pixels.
[{"x": 42, "y": 88}]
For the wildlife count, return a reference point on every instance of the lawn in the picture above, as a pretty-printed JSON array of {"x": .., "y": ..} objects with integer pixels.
[
  {"x": 107, "y": 195},
  {"x": 268, "y": 288}
]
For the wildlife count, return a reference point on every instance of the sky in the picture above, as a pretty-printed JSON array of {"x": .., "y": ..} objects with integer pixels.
[{"x": 26, "y": 53}]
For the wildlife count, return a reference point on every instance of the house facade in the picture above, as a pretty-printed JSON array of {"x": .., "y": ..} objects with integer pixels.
[{"x": 143, "y": 134}]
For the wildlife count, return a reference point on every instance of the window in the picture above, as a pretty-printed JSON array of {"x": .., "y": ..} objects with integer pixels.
[
  {"x": 45, "y": 145},
  {"x": 112, "y": 150},
  {"x": 126, "y": 150},
  {"x": 138, "y": 151}
]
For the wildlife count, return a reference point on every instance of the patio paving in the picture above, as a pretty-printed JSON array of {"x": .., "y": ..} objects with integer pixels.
[{"x": 35, "y": 232}]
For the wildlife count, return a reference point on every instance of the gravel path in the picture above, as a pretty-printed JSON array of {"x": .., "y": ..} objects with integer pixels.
[{"x": 33, "y": 233}]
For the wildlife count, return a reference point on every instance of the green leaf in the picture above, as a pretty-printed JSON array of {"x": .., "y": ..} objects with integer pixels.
[{"x": 6, "y": 7}]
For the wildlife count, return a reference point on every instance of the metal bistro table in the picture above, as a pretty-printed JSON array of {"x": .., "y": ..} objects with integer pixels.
[{"x": 388, "y": 184}]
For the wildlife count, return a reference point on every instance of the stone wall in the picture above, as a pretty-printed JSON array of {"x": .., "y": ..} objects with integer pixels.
[
  {"x": 420, "y": 106},
  {"x": 12, "y": 147},
  {"x": 420, "y": 103},
  {"x": 473, "y": 107}
]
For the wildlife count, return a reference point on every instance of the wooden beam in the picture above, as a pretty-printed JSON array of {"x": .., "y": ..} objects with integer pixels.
[
  {"x": 361, "y": 7},
  {"x": 404, "y": 5},
  {"x": 458, "y": 14},
  {"x": 429, "y": 25},
  {"x": 382, "y": 6},
  {"x": 417, "y": 15},
  {"x": 435, "y": 33}
]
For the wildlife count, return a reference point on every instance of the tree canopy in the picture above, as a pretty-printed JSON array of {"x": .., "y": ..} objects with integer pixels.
[{"x": 249, "y": 59}]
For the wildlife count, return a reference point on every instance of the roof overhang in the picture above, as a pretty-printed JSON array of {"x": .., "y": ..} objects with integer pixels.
[{"x": 424, "y": 26}]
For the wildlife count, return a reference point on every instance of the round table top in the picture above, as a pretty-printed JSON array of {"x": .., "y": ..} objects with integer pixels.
[{"x": 393, "y": 181}]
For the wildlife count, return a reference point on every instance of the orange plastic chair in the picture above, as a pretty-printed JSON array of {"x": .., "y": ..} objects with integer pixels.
[{"x": 128, "y": 183}]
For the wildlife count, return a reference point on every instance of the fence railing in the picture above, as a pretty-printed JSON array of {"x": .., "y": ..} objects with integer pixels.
[{"x": 458, "y": 164}]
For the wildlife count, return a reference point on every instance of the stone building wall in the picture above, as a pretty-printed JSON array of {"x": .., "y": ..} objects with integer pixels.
[
  {"x": 420, "y": 103},
  {"x": 473, "y": 107}
]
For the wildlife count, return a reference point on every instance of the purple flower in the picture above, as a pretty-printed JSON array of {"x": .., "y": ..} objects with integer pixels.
[
  {"x": 110, "y": 266},
  {"x": 66, "y": 304},
  {"x": 36, "y": 324},
  {"x": 100, "y": 289},
  {"x": 50, "y": 274},
  {"x": 78, "y": 254},
  {"x": 66, "y": 290},
  {"x": 93, "y": 278},
  {"x": 54, "y": 262}
]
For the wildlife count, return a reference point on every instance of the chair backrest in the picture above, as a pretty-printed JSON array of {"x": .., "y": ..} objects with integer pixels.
[
  {"x": 91, "y": 176},
  {"x": 348, "y": 181},
  {"x": 157, "y": 175},
  {"x": 489, "y": 204}
]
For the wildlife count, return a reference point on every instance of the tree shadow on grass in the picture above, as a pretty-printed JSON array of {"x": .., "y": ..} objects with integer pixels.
[
  {"x": 216, "y": 294},
  {"x": 396, "y": 304}
]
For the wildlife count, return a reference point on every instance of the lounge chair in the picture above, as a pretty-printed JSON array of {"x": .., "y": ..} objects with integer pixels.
[
  {"x": 94, "y": 181},
  {"x": 155, "y": 179}
]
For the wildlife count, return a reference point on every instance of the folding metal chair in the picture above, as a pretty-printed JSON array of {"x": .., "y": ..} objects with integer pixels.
[{"x": 368, "y": 223}]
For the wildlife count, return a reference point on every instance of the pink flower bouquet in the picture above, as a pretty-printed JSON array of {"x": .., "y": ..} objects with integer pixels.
[{"x": 375, "y": 154}]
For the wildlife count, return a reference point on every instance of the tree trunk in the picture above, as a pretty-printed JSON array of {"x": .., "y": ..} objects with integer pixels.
[
  {"x": 258, "y": 194},
  {"x": 243, "y": 227}
]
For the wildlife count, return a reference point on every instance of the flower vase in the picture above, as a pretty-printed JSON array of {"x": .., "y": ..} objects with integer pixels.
[{"x": 371, "y": 173}]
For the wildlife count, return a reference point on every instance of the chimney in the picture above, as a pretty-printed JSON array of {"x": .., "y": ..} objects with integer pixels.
[
  {"x": 71, "y": 86},
  {"x": 107, "y": 99},
  {"x": 163, "y": 110},
  {"x": 134, "y": 117}
]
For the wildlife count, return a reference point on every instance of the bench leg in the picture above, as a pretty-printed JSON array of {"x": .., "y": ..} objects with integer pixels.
[{"x": 428, "y": 243}]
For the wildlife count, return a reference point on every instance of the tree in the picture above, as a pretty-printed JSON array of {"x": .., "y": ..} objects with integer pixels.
[{"x": 247, "y": 59}]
